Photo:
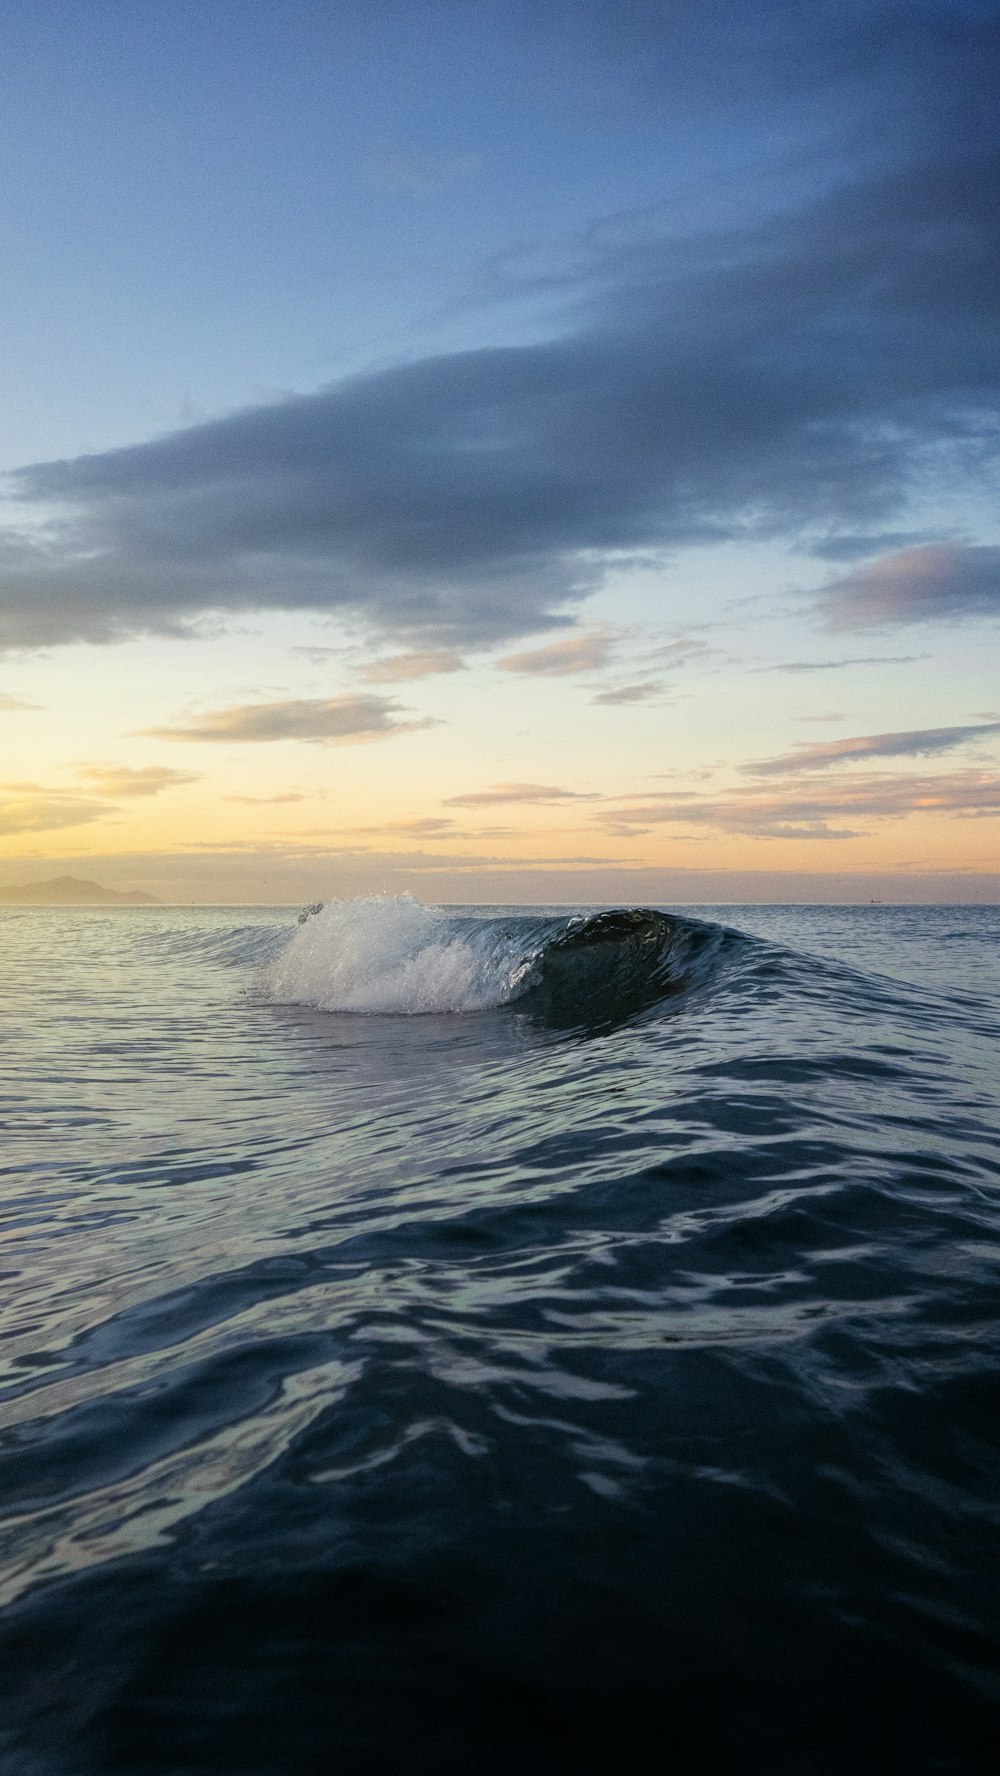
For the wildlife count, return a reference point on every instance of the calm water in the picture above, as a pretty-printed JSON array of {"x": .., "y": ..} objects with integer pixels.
[{"x": 440, "y": 1343}]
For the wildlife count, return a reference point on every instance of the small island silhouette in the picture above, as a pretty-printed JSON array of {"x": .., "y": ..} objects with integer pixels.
[{"x": 72, "y": 891}]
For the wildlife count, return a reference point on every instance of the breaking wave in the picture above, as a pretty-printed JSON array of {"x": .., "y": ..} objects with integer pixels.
[{"x": 393, "y": 955}]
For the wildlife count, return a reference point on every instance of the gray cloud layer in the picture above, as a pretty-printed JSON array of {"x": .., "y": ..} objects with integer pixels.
[
  {"x": 791, "y": 377},
  {"x": 787, "y": 380}
]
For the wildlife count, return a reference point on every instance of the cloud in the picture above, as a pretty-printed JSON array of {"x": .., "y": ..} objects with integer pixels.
[
  {"x": 836, "y": 665},
  {"x": 792, "y": 811},
  {"x": 559, "y": 659},
  {"x": 917, "y": 743},
  {"x": 678, "y": 653},
  {"x": 798, "y": 377},
  {"x": 337, "y": 720},
  {"x": 936, "y": 583},
  {"x": 8, "y": 702},
  {"x": 669, "y": 657},
  {"x": 431, "y": 828},
  {"x": 632, "y": 693},
  {"x": 420, "y": 663},
  {"x": 30, "y": 807},
  {"x": 248, "y": 801},
  {"x": 516, "y": 792},
  {"x": 120, "y": 781}
]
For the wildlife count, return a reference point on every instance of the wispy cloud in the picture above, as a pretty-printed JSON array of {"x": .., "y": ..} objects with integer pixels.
[
  {"x": 678, "y": 653},
  {"x": 917, "y": 743},
  {"x": 418, "y": 663},
  {"x": 321, "y": 843},
  {"x": 937, "y": 583},
  {"x": 119, "y": 782},
  {"x": 499, "y": 793},
  {"x": 793, "y": 811},
  {"x": 30, "y": 807},
  {"x": 331, "y": 720},
  {"x": 837, "y": 665},
  {"x": 431, "y": 828},
  {"x": 8, "y": 701},
  {"x": 319, "y": 654},
  {"x": 630, "y": 693},
  {"x": 560, "y": 659},
  {"x": 249, "y": 801}
]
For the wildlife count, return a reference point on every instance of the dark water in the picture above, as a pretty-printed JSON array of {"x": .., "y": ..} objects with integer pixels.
[{"x": 596, "y": 1372}]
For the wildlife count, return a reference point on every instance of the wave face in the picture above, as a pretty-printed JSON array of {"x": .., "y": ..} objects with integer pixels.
[
  {"x": 495, "y": 1340},
  {"x": 394, "y": 955}
]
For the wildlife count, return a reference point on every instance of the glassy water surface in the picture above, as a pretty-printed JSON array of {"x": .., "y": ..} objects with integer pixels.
[{"x": 499, "y": 1340}]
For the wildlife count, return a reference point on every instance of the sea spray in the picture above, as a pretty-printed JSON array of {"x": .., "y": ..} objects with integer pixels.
[{"x": 391, "y": 954}]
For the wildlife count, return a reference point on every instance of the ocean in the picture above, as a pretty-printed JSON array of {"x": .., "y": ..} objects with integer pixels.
[{"x": 499, "y": 1340}]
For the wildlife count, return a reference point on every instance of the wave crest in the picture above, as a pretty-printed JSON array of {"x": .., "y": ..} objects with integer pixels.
[{"x": 394, "y": 955}]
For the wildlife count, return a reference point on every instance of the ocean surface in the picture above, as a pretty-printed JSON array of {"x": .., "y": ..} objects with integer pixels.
[{"x": 499, "y": 1341}]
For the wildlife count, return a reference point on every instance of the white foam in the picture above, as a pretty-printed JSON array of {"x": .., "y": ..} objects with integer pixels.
[{"x": 393, "y": 955}]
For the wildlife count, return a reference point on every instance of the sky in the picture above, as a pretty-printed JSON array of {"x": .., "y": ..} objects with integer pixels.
[{"x": 532, "y": 451}]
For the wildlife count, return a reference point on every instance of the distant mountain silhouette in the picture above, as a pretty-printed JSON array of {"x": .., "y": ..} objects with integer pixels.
[{"x": 72, "y": 891}]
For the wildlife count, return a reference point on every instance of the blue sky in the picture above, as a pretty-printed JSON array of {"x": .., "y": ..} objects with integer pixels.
[{"x": 356, "y": 353}]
